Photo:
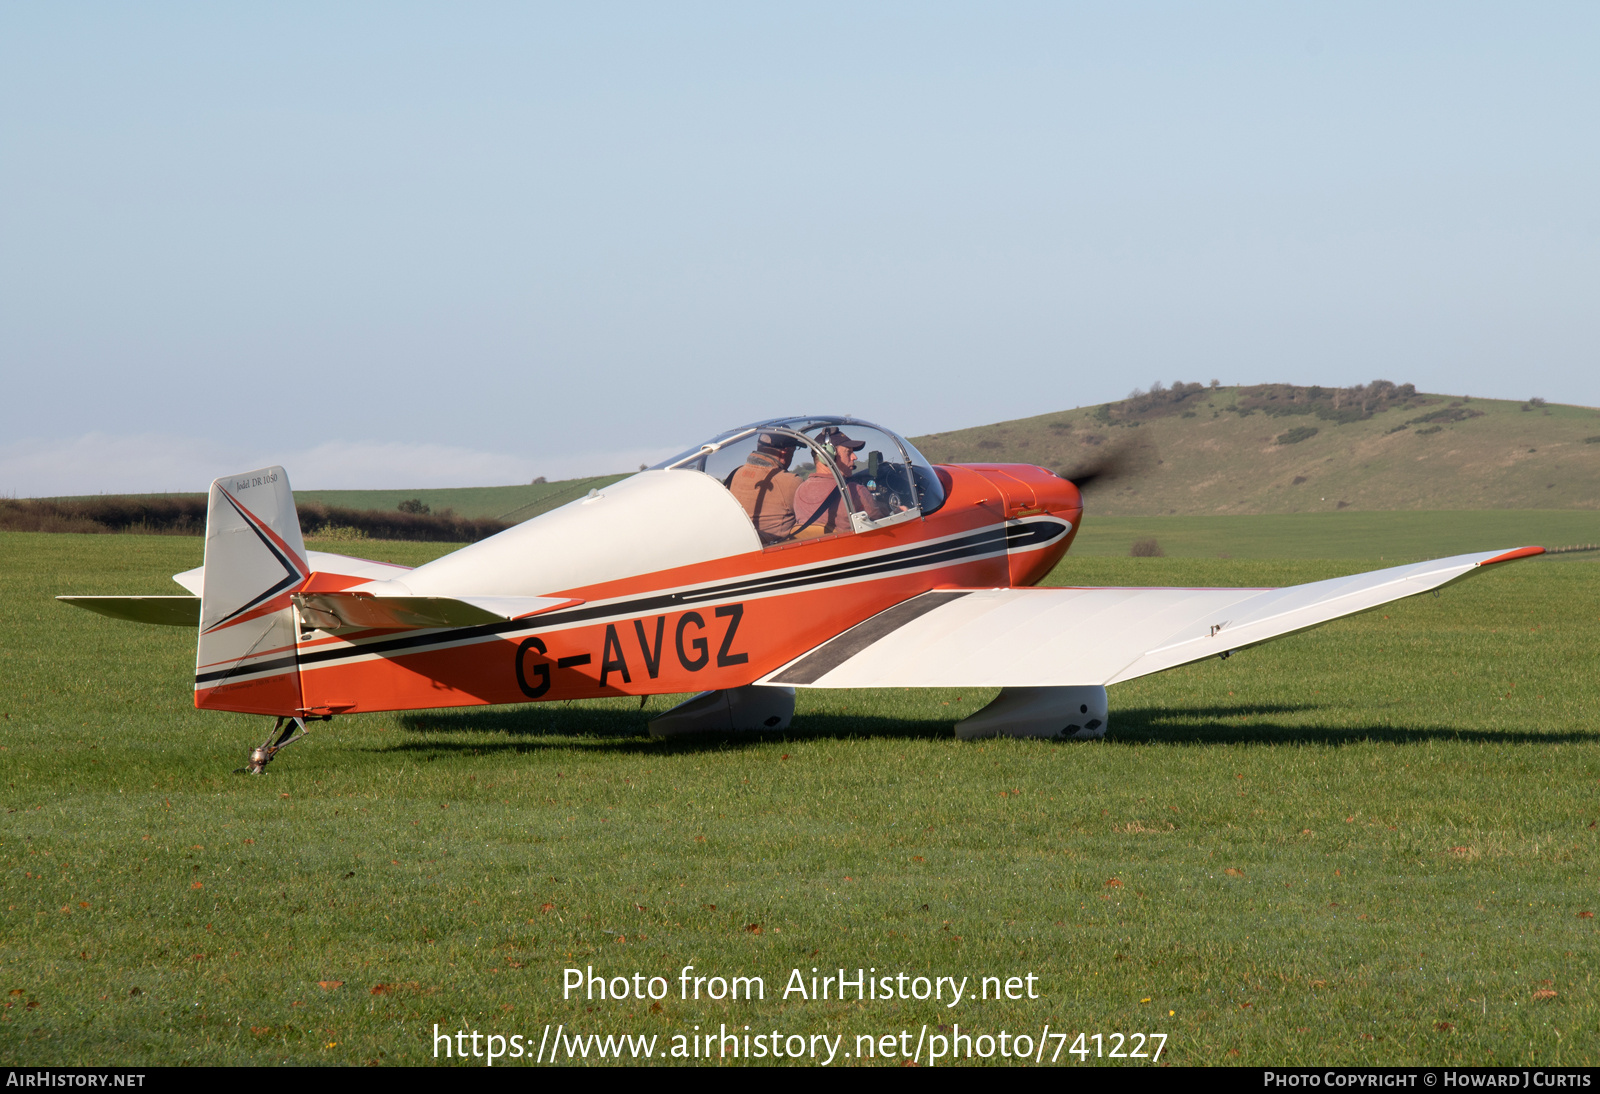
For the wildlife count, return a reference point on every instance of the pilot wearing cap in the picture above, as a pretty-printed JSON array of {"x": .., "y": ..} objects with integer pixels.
[
  {"x": 766, "y": 487},
  {"x": 819, "y": 507}
]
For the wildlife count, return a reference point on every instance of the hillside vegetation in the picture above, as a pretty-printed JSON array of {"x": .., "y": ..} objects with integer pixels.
[
  {"x": 1278, "y": 448},
  {"x": 185, "y": 515},
  {"x": 461, "y": 515}
]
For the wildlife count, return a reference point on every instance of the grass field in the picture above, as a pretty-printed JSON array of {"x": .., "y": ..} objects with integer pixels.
[
  {"x": 1381, "y": 536},
  {"x": 1372, "y": 843}
]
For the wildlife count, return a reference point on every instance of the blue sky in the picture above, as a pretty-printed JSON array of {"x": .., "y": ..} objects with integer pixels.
[{"x": 413, "y": 245}]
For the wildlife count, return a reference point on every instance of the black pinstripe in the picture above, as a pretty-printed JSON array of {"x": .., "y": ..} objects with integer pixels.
[{"x": 989, "y": 541}]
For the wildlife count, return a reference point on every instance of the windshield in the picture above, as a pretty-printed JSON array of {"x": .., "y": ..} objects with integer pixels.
[{"x": 887, "y": 474}]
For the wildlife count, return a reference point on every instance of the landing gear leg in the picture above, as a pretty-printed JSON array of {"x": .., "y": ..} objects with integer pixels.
[
  {"x": 285, "y": 732},
  {"x": 754, "y": 708},
  {"x": 1066, "y": 713}
]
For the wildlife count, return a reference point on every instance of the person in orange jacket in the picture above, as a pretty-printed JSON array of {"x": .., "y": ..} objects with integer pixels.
[{"x": 766, "y": 487}]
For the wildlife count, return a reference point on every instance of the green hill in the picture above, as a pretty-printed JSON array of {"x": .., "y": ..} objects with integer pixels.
[
  {"x": 1192, "y": 450},
  {"x": 1277, "y": 448}
]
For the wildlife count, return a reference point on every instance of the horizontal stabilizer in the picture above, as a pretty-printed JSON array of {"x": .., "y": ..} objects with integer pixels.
[
  {"x": 1056, "y": 637},
  {"x": 168, "y": 611},
  {"x": 320, "y": 561},
  {"x": 343, "y": 611}
]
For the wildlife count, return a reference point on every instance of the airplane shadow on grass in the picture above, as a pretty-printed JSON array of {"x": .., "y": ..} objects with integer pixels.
[
  {"x": 1244, "y": 724},
  {"x": 530, "y": 729}
]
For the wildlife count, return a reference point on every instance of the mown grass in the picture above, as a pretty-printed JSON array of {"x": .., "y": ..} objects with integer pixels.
[
  {"x": 1372, "y": 843},
  {"x": 1382, "y": 537}
]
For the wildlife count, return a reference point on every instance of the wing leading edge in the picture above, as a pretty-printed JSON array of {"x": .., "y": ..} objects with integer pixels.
[{"x": 1054, "y": 637}]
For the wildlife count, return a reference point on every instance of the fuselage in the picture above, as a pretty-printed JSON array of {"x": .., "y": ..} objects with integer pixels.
[{"x": 670, "y": 591}]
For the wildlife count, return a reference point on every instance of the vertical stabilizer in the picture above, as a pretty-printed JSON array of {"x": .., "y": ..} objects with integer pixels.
[{"x": 255, "y": 559}]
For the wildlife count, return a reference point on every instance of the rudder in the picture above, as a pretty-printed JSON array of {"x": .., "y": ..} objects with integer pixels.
[{"x": 255, "y": 559}]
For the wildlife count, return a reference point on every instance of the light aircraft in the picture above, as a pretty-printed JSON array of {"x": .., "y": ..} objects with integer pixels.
[{"x": 682, "y": 578}]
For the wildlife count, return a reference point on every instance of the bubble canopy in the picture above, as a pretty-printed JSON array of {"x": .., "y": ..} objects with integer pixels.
[{"x": 888, "y": 461}]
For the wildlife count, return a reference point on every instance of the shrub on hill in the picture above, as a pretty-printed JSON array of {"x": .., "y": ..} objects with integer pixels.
[
  {"x": 186, "y": 516},
  {"x": 1448, "y": 414},
  {"x": 1332, "y": 404},
  {"x": 181, "y": 516},
  {"x": 1159, "y": 401},
  {"x": 440, "y": 527}
]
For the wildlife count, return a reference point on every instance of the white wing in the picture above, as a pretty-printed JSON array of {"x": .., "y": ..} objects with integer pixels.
[{"x": 1054, "y": 637}]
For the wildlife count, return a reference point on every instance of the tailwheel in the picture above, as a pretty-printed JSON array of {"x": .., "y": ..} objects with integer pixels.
[{"x": 285, "y": 732}]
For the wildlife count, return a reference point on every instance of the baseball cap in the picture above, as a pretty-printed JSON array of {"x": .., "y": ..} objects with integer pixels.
[
  {"x": 836, "y": 437},
  {"x": 775, "y": 440}
]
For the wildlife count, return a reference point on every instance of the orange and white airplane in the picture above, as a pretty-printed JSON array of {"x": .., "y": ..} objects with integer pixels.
[{"x": 713, "y": 573}]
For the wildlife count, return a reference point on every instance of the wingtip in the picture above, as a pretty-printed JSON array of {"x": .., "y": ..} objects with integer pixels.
[{"x": 1512, "y": 556}]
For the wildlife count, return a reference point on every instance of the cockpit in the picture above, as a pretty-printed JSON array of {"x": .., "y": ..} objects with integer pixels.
[{"x": 804, "y": 478}]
